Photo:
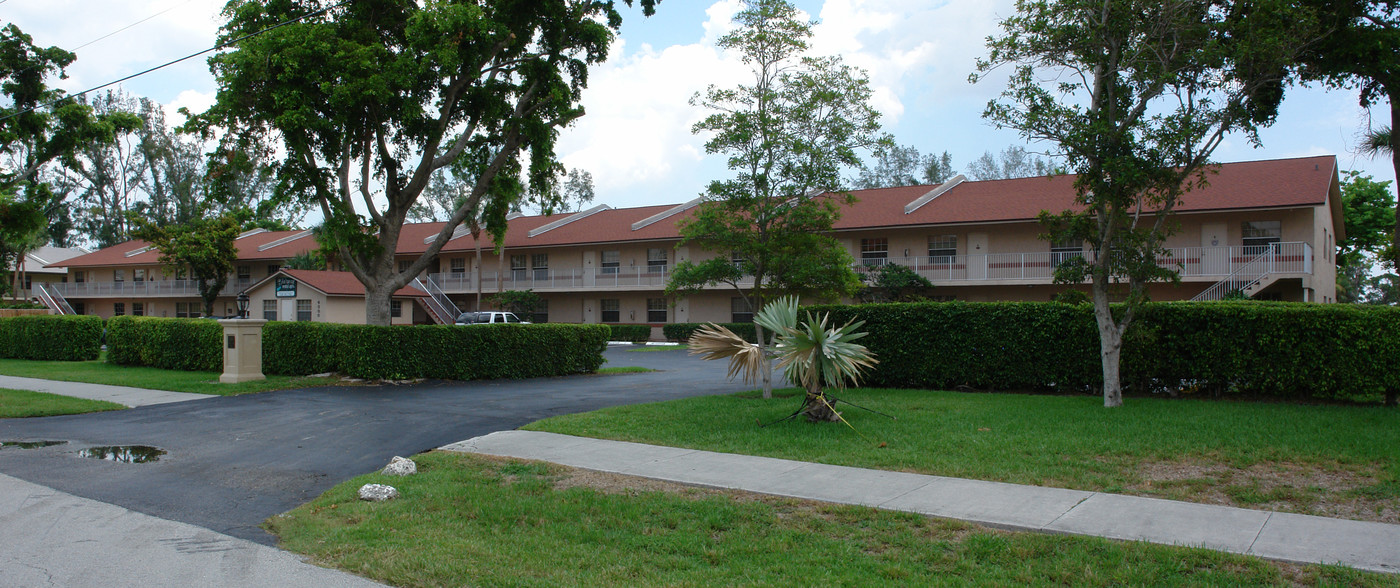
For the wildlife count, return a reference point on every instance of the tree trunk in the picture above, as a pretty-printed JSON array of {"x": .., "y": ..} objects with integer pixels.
[
  {"x": 1110, "y": 345},
  {"x": 765, "y": 375},
  {"x": 477, "y": 264},
  {"x": 377, "y": 306},
  {"x": 818, "y": 407}
]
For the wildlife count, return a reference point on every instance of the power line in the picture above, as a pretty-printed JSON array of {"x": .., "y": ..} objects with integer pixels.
[
  {"x": 170, "y": 63},
  {"x": 75, "y": 49}
]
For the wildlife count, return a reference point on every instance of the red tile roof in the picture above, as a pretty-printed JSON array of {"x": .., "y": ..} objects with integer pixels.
[
  {"x": 336, "y": 283},
  {"x": 1281, "y": 183}
]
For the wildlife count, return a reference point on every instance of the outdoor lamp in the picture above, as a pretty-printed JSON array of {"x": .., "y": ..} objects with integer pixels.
[{"x": 242, "y": 305}]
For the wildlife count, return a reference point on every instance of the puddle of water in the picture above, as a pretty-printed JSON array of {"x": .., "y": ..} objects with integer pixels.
[
  {"x": 29, "y": 444},
  {"x": 124, "y": 453}
]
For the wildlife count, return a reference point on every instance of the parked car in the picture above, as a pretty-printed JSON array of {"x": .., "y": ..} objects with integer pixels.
[{"x": 488, "y": 318}]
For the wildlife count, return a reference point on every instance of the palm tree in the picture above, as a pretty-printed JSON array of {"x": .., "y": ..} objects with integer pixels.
[
  {"x": 814, "y": 356},
  {"x": 1377, "y": 142}
]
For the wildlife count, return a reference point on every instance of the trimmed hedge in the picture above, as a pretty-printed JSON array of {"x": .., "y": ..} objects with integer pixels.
[
  {"x": 681, "y": 332},
  {"x": 166, "y": 343},
  {"x": 51, "y": 337},
  {"x": 633, "y": 333},
  {"x": 476, "y": 352},
  {"x": 1287, "y": 350}
]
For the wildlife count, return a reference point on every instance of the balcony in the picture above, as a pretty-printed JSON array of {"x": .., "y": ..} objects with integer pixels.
[
  {"x": 142, "y": 289},
  {"x": 1193, "y": 263}
]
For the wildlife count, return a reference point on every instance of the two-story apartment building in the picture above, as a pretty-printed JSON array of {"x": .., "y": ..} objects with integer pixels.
[{"x": 1267, "y": 228}]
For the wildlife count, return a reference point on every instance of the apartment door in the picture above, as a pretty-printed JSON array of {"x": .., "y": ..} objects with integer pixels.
[
  {"x": 1215, "y": 251},
  {"x": 976, "y": 256}
]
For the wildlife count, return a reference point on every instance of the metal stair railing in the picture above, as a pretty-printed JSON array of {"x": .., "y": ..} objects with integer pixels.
[
  {"x": 55, "y": 301},
  {"x": 438, "y": 303},
  {"x": 1241, "y": 279}
]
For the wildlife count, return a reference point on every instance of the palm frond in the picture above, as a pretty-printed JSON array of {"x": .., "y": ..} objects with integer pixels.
[{"x": 716, "y": 342}]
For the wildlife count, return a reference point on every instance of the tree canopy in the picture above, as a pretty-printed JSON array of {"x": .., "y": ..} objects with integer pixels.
[
  {"x": 1369, "y": 208},
  {"x": 786, "y": 135},
  {"x": 1135, "y": 96},
  {"x": 368, "y": 99},
  {"x": 204, "y": 246}
]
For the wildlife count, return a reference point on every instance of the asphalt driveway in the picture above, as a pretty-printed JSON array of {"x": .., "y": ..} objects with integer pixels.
[{"x": 234, "y": 461}]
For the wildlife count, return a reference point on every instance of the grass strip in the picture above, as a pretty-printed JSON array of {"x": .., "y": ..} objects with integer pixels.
[
  {"x": 26, "y": 403},
  {"x": 631, "y": 369},
  {"x": 101, "y": 372},
  {"x": 1341, "y": 461},
  {"x": 470, "y": 520}
]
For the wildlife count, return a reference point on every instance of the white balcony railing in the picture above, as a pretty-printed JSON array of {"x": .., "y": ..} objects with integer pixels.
[{"x": 141, "y": 289}]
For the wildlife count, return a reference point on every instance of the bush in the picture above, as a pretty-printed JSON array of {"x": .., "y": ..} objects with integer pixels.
[
  {"x": 1332, "y": 352},
  {"x": 633, "y": 333},
  {"x": 447, "y": 352},
  {"x": 681, "y": 332},
  {"x": 166, "y": 343},
  {"x": 51, "y": 337},
  {"x": 22, "y": 305}
]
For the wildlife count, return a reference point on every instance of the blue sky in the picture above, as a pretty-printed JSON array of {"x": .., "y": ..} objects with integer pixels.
[{"x": 635, "y": 139}]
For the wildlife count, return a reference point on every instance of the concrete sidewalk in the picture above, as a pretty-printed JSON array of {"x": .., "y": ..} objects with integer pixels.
[
  {"x": 56, "y": 539},
  {"x": 1273, "y": 535},
  {"x": 132, "y": 397}
]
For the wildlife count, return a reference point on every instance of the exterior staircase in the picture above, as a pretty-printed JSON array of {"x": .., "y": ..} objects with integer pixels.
[
  {"x": 1250, "y": 278},
  {"x": 441, "y": 308},
  {"x": 52, "y": 299}
]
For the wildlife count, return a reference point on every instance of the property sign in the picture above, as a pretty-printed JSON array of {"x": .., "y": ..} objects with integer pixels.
[{"x": 286, "y": 287}]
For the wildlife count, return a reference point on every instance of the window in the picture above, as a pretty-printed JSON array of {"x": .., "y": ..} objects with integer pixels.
[
  {"x": 138, "y": 309},
  {"x": 517, "y": 267},
  {"x": 739, "y": 310},
  {"x": 656, "y": 261},
  {"x": 458, "y": 265},
  {"x": 396, "y": 308},
  {"x": 943, "y": 248},
  {"x": 539, "y": 262},
  {"x": 269, "y": 310},
  {"x": 403, "y": 265},
  {"x": 118, "y": 309},
  {"x": 119, "y": 275},
  {"x": 78, "y": 308},
  {"x": 1062, "y": 251},
  {"x": 656, "y": 310},
  {"x": 245, "y": 275},
  {"x": 737, "y": 259},
  {"x": 1259, "y": 235},
  {"x": 303, "y": 310},
  {"x": 273, "y": 268},
  {"x": 874, "y": 251},
  {"x": 612, "y": 262},
  {"x": 79, "y": 277},
  {"x": 611, "y": 310},
  {"x": 138, "y": 274},
  {"x": 541, "y": 314},
  {"x": 180, "y": 273},
  {"x": 182, "y": 310},
  {"x": 28, "y": 282}
]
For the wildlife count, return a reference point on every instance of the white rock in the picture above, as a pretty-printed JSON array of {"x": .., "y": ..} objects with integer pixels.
[
  {"x": 378, "y": 492},
  {"x": 400, "y": 466}
]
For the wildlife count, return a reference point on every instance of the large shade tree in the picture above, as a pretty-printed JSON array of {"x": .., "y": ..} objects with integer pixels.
[
  {"x": 787, "y": 135},
  {"x": 1135, "y": 95},
  {"x": 369, "y": 98}
]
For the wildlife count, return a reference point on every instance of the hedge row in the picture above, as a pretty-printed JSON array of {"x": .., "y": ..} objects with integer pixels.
[
  {"x": 477, "y": 352},
  {"x": 633, "y": 333},
  {"x": 1246, "y": 348},
  {"x": 681, "y": 332},
  {"x": 166, "y": 343},
  {"x": 51, "y": 337}
]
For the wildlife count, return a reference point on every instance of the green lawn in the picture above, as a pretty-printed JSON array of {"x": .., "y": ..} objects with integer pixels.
[
  {"x": 100, "y": 372},
  {"x": 465, "y": 520},
  {"x": 24, "y": 403},
  {"x": 1341, "y": 461}
]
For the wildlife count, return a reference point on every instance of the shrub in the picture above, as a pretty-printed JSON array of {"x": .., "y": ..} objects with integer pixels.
[
  {"x": 51, "y": 337},
  {"x": 681, "y": 332},
  {"x": 434, "y": 351},
  {"x": 166, "y": 343},
  {"x": 1333, "y": 352},
  {"x": 633, "y": 333}
]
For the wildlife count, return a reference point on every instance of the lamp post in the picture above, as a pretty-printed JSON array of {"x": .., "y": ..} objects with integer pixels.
[{"x": 242, "y": 305}]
